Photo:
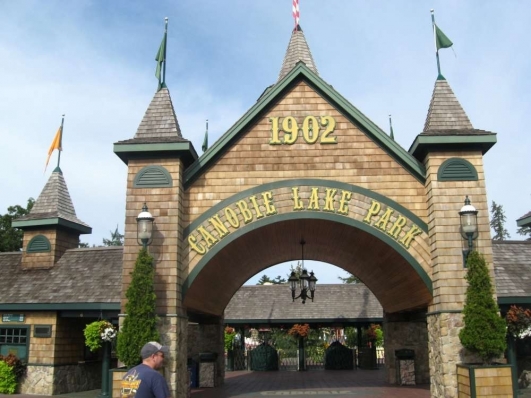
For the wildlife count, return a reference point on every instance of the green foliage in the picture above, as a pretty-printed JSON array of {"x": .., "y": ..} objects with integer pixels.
[
  {"x": 497, "y": 222},
  {"x": 229, "y": 335},
  {"x": 19, "y": 368},
  {"x": 484, "y": 330},
  {"x": 351, "y": 333},
  {"x": 350, "y": 279},
  {"x": 524, "y": 231},
  {"x": 140, "y": 324},
  {"x": 93, "y": 333},
  {"x": 11, "y": 238},
  {"x": 8, "y": 380},
  {"x": 117, "y": 239},
  {"x": 266, "y": 279}
]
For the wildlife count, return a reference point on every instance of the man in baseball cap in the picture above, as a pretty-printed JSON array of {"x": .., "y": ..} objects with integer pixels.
[{"x": 143, "y": 381}]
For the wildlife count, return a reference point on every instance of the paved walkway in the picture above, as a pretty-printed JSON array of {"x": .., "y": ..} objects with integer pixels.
[
  {"x": 337, "y": 383},
  {"x": 318, "y": 384}
]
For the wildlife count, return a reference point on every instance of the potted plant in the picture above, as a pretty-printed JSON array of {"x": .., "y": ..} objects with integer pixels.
[
  {"x": 483, "y": 334},
  {"x": 229, "y": 336},
  {"x": 518, "y": 321},
  {"x": 300, "y": 332},
  {"x": 97, "y": 333}
]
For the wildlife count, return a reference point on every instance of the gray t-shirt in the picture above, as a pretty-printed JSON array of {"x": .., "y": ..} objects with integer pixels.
[{"x": 144, "y": 382}]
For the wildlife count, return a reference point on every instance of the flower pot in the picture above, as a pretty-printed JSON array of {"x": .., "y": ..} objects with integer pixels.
[{"x": 476, "y": 381}]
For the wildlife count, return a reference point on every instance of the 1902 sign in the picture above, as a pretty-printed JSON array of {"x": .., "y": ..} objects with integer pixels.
[{"x": 314, "y": 129}]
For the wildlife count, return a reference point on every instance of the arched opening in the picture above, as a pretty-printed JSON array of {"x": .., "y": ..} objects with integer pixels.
[{"x": 394, "y": 276}]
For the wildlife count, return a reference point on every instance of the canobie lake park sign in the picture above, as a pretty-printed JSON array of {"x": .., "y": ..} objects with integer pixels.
[{"x": 293, "y": 196}]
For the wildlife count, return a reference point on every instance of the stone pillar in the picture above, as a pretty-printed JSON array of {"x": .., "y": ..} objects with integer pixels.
[{"x": 407, "y": 331}]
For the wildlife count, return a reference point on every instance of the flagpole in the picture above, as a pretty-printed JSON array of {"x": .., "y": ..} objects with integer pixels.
[
  {"x": 391, "y": 128},
  {"x": 165, "y": 42},
  {"x": 435, "y": 42},
  {"x": 60, "y": 141}
]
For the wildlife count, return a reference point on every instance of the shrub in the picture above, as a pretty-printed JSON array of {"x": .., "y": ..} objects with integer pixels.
[
  {"x": 8, "y": 380},
  {"x": 484, "y": 331},
  {"x": 140, "y": 324},
  {"x": 19, "y": 369}
]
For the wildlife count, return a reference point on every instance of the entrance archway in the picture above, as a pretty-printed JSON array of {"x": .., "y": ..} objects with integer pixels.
[{"x": 393, "y": 275}]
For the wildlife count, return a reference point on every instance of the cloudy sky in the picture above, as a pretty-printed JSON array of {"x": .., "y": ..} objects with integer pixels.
[{"x": 94, "y": 62}]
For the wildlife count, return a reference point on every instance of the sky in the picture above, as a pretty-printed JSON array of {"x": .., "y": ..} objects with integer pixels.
[{"x": 94, "y": 61}]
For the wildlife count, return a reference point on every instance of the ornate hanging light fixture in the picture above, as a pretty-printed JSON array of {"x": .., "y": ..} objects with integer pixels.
[{"x": 305, "y": 282}]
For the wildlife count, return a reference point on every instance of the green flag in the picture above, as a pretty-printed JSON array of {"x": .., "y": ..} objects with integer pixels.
[
  {"x": 441, "y": 40},
  {"x": 160, "y": 57}
]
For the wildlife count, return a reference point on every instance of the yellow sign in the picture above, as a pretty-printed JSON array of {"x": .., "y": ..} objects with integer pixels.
[
  {"x": 338, "y": 201},
  {"x": 314, "y": 129}
]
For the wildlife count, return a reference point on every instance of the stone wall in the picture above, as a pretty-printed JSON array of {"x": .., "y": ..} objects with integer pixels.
[
  {"x": 53, "y": 380},
  {"x": 411, "y": 335},
  {"x": 208, "y": 338}
]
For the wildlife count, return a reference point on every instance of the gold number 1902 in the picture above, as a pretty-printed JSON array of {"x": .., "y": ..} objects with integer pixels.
[{"x": 311, "y": 130}]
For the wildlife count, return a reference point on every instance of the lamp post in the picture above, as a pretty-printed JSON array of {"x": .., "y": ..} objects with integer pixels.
[
  {"x": 144, "y": 227},
  {"x": 469, "y": 226},
  {"x": 305, "y": 282}
]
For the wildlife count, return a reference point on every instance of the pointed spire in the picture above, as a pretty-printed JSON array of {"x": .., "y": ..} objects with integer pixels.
[
  {"x": 298, "y": 50},
  {"x": 159, "y": 120},
  {"x": 54, "y": 202},
  {"x": 445, "y": 112}
]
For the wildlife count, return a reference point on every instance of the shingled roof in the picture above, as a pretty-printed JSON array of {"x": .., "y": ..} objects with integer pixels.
[
  {"x": 81, "y": 276},
  {"x": 54, "y": 202},
  {"x": 298, "y": 50},
  {"x": 159, "y": 123},
  {"x": 445, "y": 111},
  {"x": 512, "y": 266},
  {"x": 94, "y": 275},
  {"x": 273, "y": 304},
  {"x": 525, "y": 220}
]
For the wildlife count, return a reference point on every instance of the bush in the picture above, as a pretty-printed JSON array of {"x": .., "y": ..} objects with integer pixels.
[
  {"x": 8, "y": 380},
  {"x": 229, "y": 336},
  {"x": 19, "y": 369},
  {"x": 140, "y": 324},
  {"x": 484, "y": 330}
]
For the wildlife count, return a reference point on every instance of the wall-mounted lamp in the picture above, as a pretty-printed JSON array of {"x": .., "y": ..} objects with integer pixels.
[
  {"x": 144, "y": 227},
  {"x": 469, "y": 226}
]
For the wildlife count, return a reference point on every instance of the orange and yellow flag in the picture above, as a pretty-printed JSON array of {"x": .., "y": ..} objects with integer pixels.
[{"x": 56, "y": 144}]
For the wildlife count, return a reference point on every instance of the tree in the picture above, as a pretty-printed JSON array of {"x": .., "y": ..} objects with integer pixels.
[
  {"x": 117, "y": 239},
  {"x": 497, "y": 222},
  {"x": 140, "y": 324},
  {"x": 267, "y": 280},
  {"x": 264, "y": 279},
  {"x": 484, "y": 329},
  {"x": 525, "y": 231},
  {"x": 83, "y": 245},
  {"x": 11, "y": 238},
  {"x": 350, "y": 279}
]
